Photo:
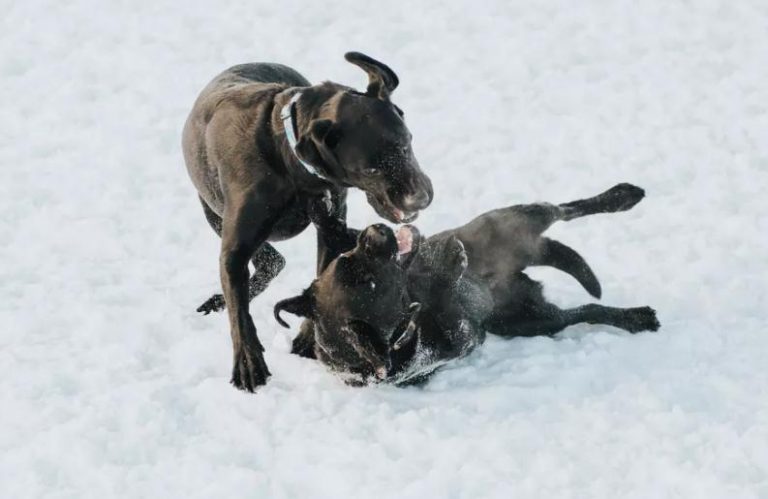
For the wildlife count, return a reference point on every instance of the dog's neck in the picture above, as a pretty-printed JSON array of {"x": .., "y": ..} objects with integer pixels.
[
  {"x": 288, "y": 123},
  {"x": 287, "y": 114}
]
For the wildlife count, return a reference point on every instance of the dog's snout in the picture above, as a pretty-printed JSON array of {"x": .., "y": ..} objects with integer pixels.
[{"x": 416, "y": 201}]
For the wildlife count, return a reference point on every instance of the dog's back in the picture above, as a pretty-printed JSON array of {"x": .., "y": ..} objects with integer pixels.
[
  {"x": 246, "y": 90},
  {"x": 267, "y": 72}
]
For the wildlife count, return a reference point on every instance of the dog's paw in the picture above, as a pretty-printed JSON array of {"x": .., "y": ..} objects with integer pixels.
[
  {"x": 320, "y": 208},
  {"x": 641, "y": 319},
  {"x": 303, "y": 344},
  {"x": 215, "y": 303},
  {"x": 456, "y": 260},
  {"x": 624, "y": 196},
  {"x": 250, "y": 370}
]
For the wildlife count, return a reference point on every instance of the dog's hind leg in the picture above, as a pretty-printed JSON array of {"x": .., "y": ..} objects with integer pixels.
[
  {"x": 634, "y": 319},
  {"x": 550, "y": 320},
  {"x": 620, "y": 197},
  {"x": 522, "y": 310},
  {"x": 267, "y": 263}
]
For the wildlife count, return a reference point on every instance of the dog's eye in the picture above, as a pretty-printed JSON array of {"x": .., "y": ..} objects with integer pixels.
[{"x": 371, "y": 172}]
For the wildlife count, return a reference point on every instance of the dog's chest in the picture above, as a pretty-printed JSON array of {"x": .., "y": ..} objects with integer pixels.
[{"x": 292, "y": 221}]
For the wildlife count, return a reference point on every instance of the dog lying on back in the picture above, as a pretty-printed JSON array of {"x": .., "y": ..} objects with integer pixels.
[
  {"x": 356, "y": 305},
  {"x": 435, "y": 301}
]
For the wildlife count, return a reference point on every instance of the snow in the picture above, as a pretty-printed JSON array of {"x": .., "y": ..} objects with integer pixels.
[{"x": 111, "y": 385}]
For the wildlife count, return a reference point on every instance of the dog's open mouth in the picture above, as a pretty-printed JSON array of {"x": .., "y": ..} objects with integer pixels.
[
  {"x": 386, "y": 209},
  {"x": 404, "y": 238},
  {"x": 405, "y": 217},
  {"x": 408, "y": 241}
]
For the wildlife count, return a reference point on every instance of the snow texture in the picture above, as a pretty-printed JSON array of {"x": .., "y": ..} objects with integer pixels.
[{"x": 112, "y": 386}]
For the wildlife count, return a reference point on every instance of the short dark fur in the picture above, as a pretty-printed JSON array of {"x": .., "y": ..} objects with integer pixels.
[
  {"x": 470, "y": 280},
  {"x": 254, "y": 190},
  {"x": 359, "y": 289},
  {"x": 500, "y": 244}
]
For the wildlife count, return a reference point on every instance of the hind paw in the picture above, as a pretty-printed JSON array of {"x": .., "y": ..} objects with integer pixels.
[
  {"x": 626, "y": 195},
  {"x": 641, "y": 319},
  {"x": 213, "y": 304}
]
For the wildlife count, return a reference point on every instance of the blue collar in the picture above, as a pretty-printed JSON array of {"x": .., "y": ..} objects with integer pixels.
[{"x": 286, "y": 114}]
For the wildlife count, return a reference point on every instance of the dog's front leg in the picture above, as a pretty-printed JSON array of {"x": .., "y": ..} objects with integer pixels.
[
  {"x": 362, "y": 337},
  {"x": 329, "y": 216},
  {"x": 246, "y": 225}
]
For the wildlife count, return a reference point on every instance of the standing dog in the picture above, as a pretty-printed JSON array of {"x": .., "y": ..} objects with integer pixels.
[
  {"x": 260, "y": 144},
  {"x": 470, "y": 280}
]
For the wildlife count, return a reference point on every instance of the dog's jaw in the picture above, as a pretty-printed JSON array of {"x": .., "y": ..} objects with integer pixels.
[
  {"x": 386, "y": 209},
  {"x": 405, "y": 217}
]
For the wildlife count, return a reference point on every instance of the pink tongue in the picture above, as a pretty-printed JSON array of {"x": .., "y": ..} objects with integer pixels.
[{"x": 404, "y": 240}]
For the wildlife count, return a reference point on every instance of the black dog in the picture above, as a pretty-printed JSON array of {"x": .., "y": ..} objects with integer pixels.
[
  {"x": 356, "y": 304},
  {"x": 470, "y": 280},
  {"x": 260, "y": 143}
]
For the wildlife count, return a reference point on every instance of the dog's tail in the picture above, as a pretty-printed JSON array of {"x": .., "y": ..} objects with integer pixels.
[{"x": 556, "y": 254}]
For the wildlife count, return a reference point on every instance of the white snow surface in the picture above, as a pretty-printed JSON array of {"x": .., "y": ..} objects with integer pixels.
[{"x": 111, "y": 385}]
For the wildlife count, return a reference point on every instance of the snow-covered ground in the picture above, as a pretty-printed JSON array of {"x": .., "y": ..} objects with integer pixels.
[{"x": 111, "y": 384}]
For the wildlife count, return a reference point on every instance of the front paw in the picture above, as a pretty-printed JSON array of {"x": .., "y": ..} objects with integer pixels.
[
  {"x": 320, "y": 209},
  {"x": 456, "y": 260},
  {"x": 215, "y": 303},
  {"x": 303, "y": 344},
  {"x": 250, "y": 370}
]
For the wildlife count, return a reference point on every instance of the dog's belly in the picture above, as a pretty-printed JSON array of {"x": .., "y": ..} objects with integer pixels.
[{"x": 291, "y": 223}]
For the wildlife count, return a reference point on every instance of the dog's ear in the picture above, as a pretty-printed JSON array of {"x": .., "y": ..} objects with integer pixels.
[
  {"x": 382, "y": 81},
  {"x": 324, "y": 132},
  {"x": 300, "y": 305}
]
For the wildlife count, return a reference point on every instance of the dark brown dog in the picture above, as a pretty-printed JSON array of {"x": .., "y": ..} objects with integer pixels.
[{"x": 261, "y": 143}]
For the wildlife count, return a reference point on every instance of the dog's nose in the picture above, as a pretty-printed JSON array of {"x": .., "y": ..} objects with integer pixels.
[{"x": 416, "y": 201}]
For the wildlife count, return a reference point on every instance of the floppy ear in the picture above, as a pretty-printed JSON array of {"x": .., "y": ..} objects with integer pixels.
[
  {"x": 320, "y": 132},
  {"x": 298, "y": 305},
  {"x": 382, "y": 81}
]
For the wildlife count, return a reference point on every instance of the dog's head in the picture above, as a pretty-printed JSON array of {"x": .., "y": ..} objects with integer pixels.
[
  {"x": 361, "y": 140},
  {"x": 366, "y": 284},
  {"x": 356, "y": 303}
]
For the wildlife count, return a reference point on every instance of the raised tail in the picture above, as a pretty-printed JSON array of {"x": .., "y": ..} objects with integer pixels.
[{"x": 556, "y": 254}]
